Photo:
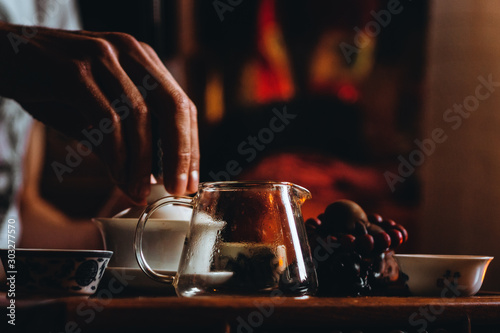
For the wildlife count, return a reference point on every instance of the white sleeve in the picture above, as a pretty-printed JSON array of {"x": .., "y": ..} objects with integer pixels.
[{"x": 60, "y": 14}]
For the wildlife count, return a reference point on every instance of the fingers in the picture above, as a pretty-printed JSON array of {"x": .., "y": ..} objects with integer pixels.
[
  {"x": 194, "y": 169},
  {"x": 128, "y": 103},
  {"x": 176, "y": 146},
  {"x": 124, "y": 82},
  {"x": 105, "y": 133},
  {"x": 178, "y": 120},
  {"x": 120, "y": 123},
  {"x": 193, "y": 175},
  {"x": 180, "y": 144}
]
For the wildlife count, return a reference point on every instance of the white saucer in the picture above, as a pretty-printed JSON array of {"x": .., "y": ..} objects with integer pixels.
[{"x": 136, "y": 281}]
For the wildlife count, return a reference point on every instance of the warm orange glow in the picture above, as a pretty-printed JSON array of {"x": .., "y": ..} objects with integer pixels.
[{"x": 214, "y": 98}]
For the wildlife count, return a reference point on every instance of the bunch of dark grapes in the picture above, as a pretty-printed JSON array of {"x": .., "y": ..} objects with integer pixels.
[{"x": 353, "y": 251}]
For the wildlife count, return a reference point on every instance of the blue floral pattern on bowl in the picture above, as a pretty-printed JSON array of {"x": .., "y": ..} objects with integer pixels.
[{"x": 58, "y": 271}]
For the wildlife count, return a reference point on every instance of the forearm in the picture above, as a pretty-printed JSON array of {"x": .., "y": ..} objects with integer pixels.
[{"x": 44, "y": 226}]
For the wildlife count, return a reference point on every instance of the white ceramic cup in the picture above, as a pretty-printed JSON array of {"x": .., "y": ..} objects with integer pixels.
[{"x": 163, "y": 241}]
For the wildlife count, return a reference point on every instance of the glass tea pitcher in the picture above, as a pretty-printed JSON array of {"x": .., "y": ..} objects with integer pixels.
[{"x": 244, "y": 238}]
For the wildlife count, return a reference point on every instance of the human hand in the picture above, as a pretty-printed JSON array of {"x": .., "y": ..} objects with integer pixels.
[{"x": 101, "y": 88}]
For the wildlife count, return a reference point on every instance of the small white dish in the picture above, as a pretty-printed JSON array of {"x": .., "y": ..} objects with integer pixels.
[
  {"x": 215, "y": 278},
  {"x": 443, "y": 275},
  {"x": 134, "y": 280}
]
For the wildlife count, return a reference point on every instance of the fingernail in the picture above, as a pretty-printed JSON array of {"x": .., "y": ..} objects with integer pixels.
[
  {"x": 183, "y": 179},
  {"x": 194, "y": 176}
]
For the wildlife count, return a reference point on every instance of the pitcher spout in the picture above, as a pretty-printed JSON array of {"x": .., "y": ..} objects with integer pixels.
[{"x": 301, "y": 194}]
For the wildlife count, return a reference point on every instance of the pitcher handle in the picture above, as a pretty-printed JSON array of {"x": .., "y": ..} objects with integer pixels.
[{"x": 139, "y": 231}]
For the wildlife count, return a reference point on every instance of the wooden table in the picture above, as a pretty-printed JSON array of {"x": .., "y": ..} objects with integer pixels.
[{"x": 249, "y": 314}]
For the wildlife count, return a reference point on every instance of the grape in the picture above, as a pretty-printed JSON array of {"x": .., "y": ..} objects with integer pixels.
[
  {"x": 365, "y": 244},
  {"x": 335, "y": 241},
  {"x": 375, "y": 218},
  {"x": 403, "y": 231},
  {"x": 396, "y": 238},
  {"x": 347, "y": 242},
  {"x": 382, "y": 241},
  {"x": 388, "y": 224},
  {"x": 359, "y": 262},
  {"x": 313, "y": 222},
  {"x": 343, "y": 274}
]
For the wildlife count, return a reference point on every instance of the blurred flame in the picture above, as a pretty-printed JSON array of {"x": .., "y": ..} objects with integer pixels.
[{"x": 214, "y": 98}]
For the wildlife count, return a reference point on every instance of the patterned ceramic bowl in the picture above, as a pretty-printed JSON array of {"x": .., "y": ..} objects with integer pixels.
[
  {"x": 446, "y": 276},
  {"x": 43, "y": 271}
]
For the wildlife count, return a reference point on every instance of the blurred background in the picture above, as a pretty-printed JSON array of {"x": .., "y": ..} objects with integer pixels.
[{"x": 340, "y": 97}]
